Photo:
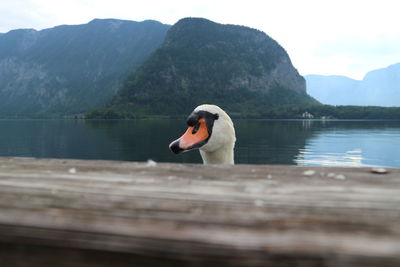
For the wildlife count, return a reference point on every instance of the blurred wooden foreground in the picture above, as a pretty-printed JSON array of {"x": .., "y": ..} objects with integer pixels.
[{"x": 103, "y": 213}]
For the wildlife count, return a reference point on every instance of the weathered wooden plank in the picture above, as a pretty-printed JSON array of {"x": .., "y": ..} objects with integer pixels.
[{"x": 81, "y": 213}]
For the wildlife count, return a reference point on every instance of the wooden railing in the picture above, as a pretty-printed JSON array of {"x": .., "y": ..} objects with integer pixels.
[{"x": 102, "y": 213}]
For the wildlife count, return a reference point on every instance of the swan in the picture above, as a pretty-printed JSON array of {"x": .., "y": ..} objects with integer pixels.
[{"x": 211, "y": 131}]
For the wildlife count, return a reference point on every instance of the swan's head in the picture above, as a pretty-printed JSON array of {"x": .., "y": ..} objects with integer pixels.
[{"x": 210, "y": 129}]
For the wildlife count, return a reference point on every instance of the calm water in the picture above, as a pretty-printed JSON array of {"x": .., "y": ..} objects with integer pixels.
[{"x": 313, "y": 143}]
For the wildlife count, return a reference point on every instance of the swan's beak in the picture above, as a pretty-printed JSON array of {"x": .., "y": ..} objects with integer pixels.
[{"x": 194, "y": 137}]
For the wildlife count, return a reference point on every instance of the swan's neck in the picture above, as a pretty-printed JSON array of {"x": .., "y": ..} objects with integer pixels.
[{"x": 223, "y": 155}]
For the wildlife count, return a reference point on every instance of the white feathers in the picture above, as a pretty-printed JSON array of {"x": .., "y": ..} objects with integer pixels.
[{"x": 220, "y": 146}]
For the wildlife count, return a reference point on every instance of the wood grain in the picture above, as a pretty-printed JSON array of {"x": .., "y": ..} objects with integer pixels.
[{"x": 56, "y": 212}]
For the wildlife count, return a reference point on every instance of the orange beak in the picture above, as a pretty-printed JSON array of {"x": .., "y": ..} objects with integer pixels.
[{"x": 193, "y": 137}]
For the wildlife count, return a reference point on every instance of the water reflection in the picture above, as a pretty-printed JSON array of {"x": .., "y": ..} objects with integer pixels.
[
  {"x": 333, "y": 143},
  {"x": 307, "y": 157},
  {"x": 353, "y": 144},
  {"x": 269, "y": 142}
]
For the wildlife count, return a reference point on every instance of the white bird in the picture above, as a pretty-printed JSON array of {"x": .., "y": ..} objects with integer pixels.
[{"x": 211, "y": 131}]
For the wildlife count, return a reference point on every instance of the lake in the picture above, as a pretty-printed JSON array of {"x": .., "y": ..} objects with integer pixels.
[{"x": 309, "y": 143}]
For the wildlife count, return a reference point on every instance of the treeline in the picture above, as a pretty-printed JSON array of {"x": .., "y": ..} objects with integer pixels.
[
  {"x": 332, "y": 112},
  {"x": 280, "y": 112}
]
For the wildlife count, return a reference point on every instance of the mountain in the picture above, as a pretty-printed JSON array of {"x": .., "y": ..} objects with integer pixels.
[
  {"x": 379, "y": 87},
  {"x": 241, "y": 69},
  {"x": 332, "y": 90},
  {"x": 71, "y": 68},
  {"x": 382, "y": 86}
]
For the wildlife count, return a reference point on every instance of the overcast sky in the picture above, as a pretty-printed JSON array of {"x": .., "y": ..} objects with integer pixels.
[{"x": 339, "y": 37}]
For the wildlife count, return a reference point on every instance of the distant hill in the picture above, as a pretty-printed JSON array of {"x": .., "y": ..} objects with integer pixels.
[
  {"x": 378, "y": 88},
  {"x": 71, "y": 69},
  {"x": 332, "y": 90},
  {"x": 241, "y": 69}
]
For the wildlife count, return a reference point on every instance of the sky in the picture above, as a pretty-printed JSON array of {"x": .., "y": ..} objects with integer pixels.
[{"x": 339, "y": 37}]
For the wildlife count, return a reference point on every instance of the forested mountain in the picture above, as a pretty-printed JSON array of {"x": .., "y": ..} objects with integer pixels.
[
  {"x": 71, "y": 68},
  {"x": 378, "y": 88},
  {"x": 241, "y": 69}
]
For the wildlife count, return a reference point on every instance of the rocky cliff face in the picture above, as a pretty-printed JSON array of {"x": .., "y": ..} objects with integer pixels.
[
  {"x": 254, "y": 59},
  {"x": 70, "y": 69},
  {"x": 239, "y": 68}
]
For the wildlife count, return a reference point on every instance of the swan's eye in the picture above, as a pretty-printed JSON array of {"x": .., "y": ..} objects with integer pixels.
[{"x": 196, "y": 128}]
